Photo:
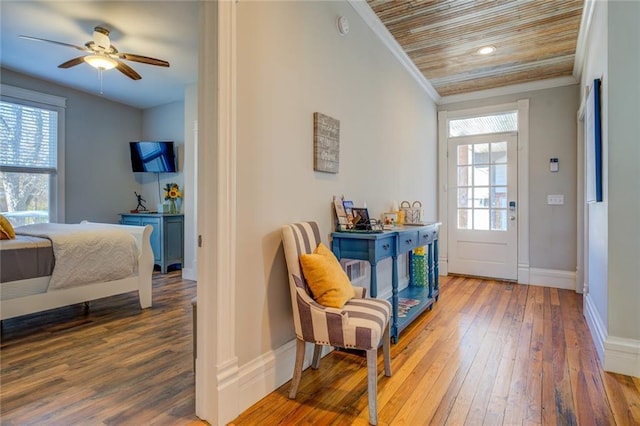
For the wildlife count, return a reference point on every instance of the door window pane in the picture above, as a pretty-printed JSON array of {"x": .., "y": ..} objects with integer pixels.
[
  {"x": 481, "y": 219},
  {"x": 465, "y": 154},
  {"x": 482, "y": 186},
  {"x": 499, "y": 174},
  {"x": 499, "y": 197},
  {"x": 481, "y": 197},
  {"x": 498, "y": 220},
  {"x": 499, "y": 152},
  {"x": 464, "y": 219},
  {"x": 481, "y": 175},
  {"x": 481, "y": 153},
  {"x": 464, "y": 176},
  {"x": 465, "y": 195}
]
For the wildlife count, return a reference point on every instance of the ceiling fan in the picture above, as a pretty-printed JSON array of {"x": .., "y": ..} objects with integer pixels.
[{"x": 101, "y": 54}]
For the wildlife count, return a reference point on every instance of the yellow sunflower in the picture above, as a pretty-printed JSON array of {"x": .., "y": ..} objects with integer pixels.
[{"x": 172, "y": 191}]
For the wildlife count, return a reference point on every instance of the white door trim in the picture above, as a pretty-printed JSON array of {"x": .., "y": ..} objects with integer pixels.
[
  {"x": 522, "y": 106},
  {"x": 217, "y": 373}
]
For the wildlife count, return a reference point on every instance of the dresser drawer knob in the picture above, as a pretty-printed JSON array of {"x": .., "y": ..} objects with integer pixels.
[{"x": 385, "y": 247}]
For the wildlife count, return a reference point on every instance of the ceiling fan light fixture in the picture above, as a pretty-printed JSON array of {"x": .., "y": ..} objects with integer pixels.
[
  {"x": 486, "y": 50},
  {"x": 100, "y": 62}
]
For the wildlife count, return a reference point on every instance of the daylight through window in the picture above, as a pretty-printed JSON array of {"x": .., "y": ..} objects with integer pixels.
[{"x": 28, "y": 161}]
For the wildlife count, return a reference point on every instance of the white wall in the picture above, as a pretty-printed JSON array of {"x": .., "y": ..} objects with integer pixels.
[
  {"x": 189, "y": 206},
  {"x": 99, "y": 182},
  {"x": 597, "y": 213},
  {"x": 163, "y": 123},
  {"x": 552, "y": 124},
  {"x": 291, "y": 63},
  {"x": 624, "y": 173},
  {"x": 613, "y": 244}
]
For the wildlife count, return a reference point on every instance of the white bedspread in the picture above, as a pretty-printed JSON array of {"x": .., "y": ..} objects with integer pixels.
[{"x": 86, "y": 254}]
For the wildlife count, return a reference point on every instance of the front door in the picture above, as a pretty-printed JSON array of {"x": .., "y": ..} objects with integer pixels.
[{"x": 482, "y": 198}]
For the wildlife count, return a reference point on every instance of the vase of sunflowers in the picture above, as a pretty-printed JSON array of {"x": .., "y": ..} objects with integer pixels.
[{"x": 173, "y": 195}]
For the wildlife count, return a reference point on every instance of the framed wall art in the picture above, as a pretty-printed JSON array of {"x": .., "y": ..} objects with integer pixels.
[
  {"x": 593, "y": 132},
  {"x": 326, "y": 143}
]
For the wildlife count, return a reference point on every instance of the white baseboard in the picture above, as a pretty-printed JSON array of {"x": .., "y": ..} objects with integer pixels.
[
  {"x": 596, "y": 326},
  {"x": 617, "y": 354},
  {"x": 622, "y": 356},
  {"x": 190, "y": 270},
  {"x": 523, "y": 274},
  {"x": 190, "y": 274},
  {"x": 263, "y": 375},
  {"x": 443, "y": 266},
  {"x": 552, "y": 278}
]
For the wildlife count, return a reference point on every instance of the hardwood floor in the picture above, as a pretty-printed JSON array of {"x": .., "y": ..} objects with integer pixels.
[
  {"x": 115, "y": 365},
  {"x": 488, "y": 353}
]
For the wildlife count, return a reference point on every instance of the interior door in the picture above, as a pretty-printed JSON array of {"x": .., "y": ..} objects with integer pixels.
[{"x": 482, "y": 198}]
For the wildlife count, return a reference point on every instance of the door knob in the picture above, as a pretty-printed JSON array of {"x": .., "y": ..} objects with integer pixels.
[{"x": 512, "y": 218}]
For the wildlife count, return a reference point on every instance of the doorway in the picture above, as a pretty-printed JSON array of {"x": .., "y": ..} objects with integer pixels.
[
  {"x": 483, "y": 232},
  {"x": 483, "y": 195}
]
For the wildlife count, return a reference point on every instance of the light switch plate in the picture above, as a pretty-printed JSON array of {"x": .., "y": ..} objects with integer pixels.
[{"x": 555, "y": 200}]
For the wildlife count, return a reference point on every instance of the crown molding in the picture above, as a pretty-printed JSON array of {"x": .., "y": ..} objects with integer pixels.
[
  {"x": 509, "y": 90},
  {"x": 583, "y": 34},
  {"x": 371, "y": 19}
]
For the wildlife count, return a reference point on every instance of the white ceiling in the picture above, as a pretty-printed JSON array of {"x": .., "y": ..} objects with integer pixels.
[{"x": 165, "y": 30}]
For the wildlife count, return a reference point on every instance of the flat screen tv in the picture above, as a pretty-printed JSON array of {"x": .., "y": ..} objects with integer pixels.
[{"x": 153, "y": 156}]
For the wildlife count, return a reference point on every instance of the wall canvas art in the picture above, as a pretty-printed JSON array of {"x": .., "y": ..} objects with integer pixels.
[
  {"x": 326, "y": 143},
  {"x": 593, "y": 131}
]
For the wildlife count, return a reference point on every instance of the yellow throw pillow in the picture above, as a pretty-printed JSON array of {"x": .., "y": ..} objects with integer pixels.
[
  {"x": 327, "y": 280},
  {"x": 6, "y": 230}
]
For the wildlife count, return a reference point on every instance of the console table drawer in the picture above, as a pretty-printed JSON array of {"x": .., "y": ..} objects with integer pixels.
[
  {"x": 371, "y": 247},
  {"x": 384, "y": 248},
  {"x": 407, "y": 241},
  {"x": 427, "y": 236}
]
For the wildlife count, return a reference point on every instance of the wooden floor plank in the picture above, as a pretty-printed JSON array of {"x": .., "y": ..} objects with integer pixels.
[{"x": 487, "y": 353}]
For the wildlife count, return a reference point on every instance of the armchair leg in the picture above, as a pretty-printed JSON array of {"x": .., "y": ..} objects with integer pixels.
[
  {"x": 297, "y": 369},
  {"x": 386, "y": 350},
  {"x": 317, "y": 351},
  {"x": 372, "y": 375}
]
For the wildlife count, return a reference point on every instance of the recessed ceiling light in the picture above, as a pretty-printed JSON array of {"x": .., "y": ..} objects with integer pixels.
[{"x": 486, "y": 50}]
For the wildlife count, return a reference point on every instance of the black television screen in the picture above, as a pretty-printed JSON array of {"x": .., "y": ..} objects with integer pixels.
[{"x": 148, "y": 156}]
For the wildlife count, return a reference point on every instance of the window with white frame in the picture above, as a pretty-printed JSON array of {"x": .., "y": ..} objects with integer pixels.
[{"x": 31, "y": 156}]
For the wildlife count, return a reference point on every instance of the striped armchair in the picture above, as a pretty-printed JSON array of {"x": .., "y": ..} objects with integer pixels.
[{"x": 360, "y": 324}]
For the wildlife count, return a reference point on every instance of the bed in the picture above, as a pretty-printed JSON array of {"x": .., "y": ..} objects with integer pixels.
[{"x": 53, "y": 265}]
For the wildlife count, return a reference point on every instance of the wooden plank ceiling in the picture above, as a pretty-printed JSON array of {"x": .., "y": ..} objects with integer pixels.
[{"x": 534, "y": 39}]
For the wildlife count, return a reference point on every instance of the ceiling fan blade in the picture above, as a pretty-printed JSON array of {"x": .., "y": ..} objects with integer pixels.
[
  {"x": 128, "y": 71},
  {"x": 143, "y": 59},
  {"x": 72, "y": 63},
  {"x": 84, "y": 49}
]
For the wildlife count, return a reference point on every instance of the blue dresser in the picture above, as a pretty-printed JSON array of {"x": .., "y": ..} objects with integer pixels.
[
  {"x": 167, "y": 238},
  {"x": 374, "y": 247}
]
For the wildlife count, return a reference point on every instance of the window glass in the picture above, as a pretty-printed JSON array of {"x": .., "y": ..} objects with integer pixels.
[
  {"x": 28, "y": 162},
  {"x": 497, "y": 123}
]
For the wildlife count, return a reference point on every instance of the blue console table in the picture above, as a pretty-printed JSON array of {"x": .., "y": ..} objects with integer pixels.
[{"x": 374, "y": 247}]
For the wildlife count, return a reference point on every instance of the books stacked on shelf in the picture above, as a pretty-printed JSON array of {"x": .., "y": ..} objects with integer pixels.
[{"x": 404, "y": 305}]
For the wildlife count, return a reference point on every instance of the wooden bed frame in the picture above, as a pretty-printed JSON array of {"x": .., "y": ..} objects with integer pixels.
[{"x": 92, "y": 291}]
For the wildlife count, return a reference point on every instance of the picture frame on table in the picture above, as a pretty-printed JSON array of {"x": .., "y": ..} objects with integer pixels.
[
  {"x": 361, "y": 218},
  {"x": 389, "y": 220}
]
